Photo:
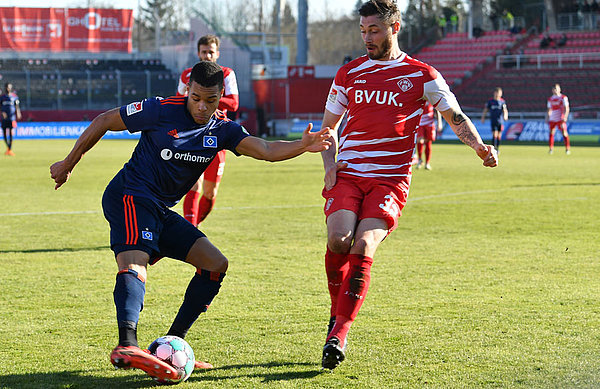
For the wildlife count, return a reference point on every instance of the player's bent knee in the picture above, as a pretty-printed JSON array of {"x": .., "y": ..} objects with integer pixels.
[
  {"x": 204, "y": 255},
  {"x": 339, "y": 243},
  {"x": 364, "y": 246}
]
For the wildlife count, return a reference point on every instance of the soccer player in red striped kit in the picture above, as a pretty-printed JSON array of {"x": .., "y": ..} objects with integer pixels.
[
  {"x": 199, "y": 201},
  {"x": 367, "y": 185},
  {"x": 558, "y": 113}
]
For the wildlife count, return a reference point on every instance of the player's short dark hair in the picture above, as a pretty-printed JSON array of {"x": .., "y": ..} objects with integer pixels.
[
  {"x": 208, "y": 40},
  {"x": 387, "y": 10},
  {"x": 207, "y": 74}
]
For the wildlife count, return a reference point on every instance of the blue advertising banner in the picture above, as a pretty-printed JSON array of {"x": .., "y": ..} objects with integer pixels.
[
  {"x": 536, "y": 131},
  {"x": 62, "y": 130}
]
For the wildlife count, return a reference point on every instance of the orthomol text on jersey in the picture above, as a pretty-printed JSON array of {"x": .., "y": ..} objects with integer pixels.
[{"x": 167, "y": 154}]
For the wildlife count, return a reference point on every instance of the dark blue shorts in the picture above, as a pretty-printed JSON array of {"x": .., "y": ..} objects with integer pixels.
[
  {"x": 138, "y": 223},
  {"x": 496, "y": 126}
]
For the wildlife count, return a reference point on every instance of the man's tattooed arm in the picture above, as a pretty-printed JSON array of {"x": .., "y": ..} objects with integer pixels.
[
  {"x": 464, "y": 129},
  {"x": 467, "y": 133}
]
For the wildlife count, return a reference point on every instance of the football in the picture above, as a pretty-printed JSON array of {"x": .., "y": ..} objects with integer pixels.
[{"x": 177, "y": 353}]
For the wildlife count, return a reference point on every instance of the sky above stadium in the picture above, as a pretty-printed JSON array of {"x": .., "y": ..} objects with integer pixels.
[{"x": 316, "y": 8}]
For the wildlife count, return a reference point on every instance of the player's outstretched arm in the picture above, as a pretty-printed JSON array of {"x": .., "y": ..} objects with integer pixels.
[
  {"x": 280, "y": 150},
  {"x": 109, "y": 120},
  {"x": 467, "y": 133},
  {"x": 331, "y": 122}
]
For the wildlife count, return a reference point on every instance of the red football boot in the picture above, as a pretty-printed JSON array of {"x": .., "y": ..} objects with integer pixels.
[
  {"x": 123, "y": 357},
  {"x": 202, "y": 365}
]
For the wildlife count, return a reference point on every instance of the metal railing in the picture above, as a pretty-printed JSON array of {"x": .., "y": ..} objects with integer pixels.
[
  {"x": 577, "y": 21},
  {"x": 87, "y": 89},
  {"x": 539, "y": 61}
]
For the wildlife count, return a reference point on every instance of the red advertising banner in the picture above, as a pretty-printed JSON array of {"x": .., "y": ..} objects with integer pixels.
[{"x": 65, "y": 29}]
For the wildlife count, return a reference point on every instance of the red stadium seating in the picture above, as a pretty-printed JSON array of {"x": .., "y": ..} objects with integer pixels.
[{"x": 456, "y": 54}]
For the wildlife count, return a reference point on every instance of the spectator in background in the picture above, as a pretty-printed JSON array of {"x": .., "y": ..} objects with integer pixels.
[
  {"x": 508, "y": 19},
  {"x": 562, "y": 40},
  {"x": 442, "y": 22},
  {"x": 546, "y": 41},
  {"x": 454, "y": 22},
  {"x": 11, "y": 112}
]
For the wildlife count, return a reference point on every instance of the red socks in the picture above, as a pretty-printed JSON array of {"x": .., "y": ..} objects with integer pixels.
[
  {"x": 351, "y": 295},
  {"x": 190, "y": 207},
  {"x": 336, "y": 266},
  {"x": 551, "y": 140},
  {"x": 427, "y": 151},
  {"x": 196, "y": 207},
  {"x": 419, "y": 149},
  {"x": 567, "y": 142},
  {"x": 204, "y": 208}
]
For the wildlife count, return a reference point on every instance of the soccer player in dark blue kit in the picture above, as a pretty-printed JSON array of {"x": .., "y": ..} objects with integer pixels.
[
  {"x": 11, "y": 112},
  {"x": 498, "y": 114},
  {"x": 179, "y": 138}
]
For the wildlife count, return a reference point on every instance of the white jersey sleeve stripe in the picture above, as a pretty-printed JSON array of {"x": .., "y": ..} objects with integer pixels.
[
  {"x": 361, "y": 142},
  {"x": 369, "y": 167},
  {"x": 181, "y": 87},
  {"x": 231, "y": 87},
  {"x": 375, "y": 175},
  {"x": 352, "y": 154},
  {"x": 416, "y": 113},
  {"x": 337, "y": 101},
  {"x": 416, "y": 74},
  {"x": 439, "y": 95}
]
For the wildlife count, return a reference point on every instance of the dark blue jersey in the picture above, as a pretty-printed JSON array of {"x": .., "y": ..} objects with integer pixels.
[
  {"x": 496, "y": 108},
  {"x": 9, "y": 105},
  {"x": 173, "y": 150}
]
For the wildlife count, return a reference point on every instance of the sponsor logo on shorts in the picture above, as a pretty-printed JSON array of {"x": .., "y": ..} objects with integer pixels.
[
  {"x": 390, "y": 207},
  {"x": 147, "y": 235},
  {"x": 209, "y": 141},
  {"x": 134, "y": 108},
  {"x": 328, "y": 204}
]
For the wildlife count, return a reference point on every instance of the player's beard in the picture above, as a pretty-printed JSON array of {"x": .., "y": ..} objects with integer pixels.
[{"x": 386, "y": 49}]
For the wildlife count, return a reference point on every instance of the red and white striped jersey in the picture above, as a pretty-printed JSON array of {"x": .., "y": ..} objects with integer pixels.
[
  {"x": 230, "y": 100},
  {"x": 557, "y": 104},
  {"x": 385, "y": 101},
  {"x": 428, "y": 117}
]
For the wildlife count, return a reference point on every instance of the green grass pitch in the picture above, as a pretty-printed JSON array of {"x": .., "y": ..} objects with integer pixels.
[{"x": 491, "y": 280}]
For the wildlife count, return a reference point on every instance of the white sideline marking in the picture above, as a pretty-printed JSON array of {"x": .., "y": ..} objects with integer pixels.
[{"x": 443, "y": 195}]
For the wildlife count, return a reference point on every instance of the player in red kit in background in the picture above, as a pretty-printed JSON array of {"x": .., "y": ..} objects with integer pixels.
[
  {"x": 426, "y": 133},
  {"x": 198, "y": 203},
  {"x": 367, "y": 185},
  {"x": 558, "y": 113}
]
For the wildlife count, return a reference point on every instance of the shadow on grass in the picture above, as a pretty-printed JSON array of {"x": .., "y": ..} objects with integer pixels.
[
  {"x": 266, "y": 376},
  {"x": 74, "y": 379},
  {"x": 137, "y": 379},
  {"x": 57, "y": 250}
]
